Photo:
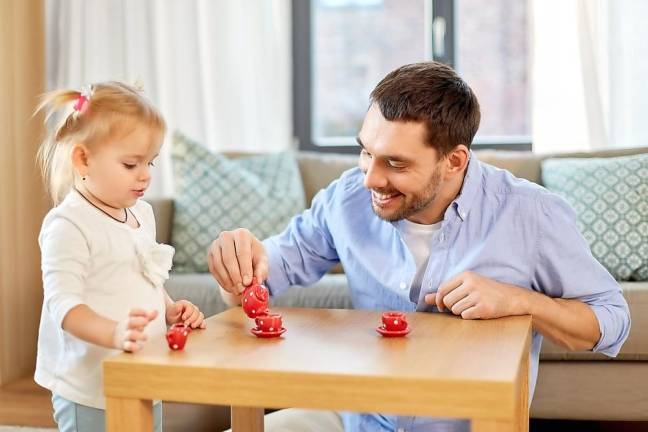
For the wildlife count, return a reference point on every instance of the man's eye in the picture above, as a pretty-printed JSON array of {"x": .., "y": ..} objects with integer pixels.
[
  {"x": 151, "y": 164},
  {"x": 397, "y": 165},
  {"x": 129, "y": 166},
  {"x": 364, "y": 153}
]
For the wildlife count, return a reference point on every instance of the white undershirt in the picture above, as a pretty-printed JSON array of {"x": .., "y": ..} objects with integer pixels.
[{"x": 418, "y": 238}]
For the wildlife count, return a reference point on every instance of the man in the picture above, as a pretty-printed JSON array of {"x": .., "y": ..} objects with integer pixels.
[{"x": 422, "y": 224}]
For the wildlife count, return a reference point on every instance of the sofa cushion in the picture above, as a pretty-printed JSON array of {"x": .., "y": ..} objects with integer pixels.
[
  {"x": 202, "y": 290},
  {"x": 318, "y": 170},
  {"x": 634, "y": 348},
  {"x": 610, "y": 197},
  {"x": 330, "y": 292},
  {"x": 527, "y": 165},
  {"x": 524, "y": 165},
  {"x": 215, "y": 193}
]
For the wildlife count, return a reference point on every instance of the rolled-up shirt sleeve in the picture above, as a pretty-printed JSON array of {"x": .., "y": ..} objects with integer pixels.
[
  {"x": 64, "y": 261},
  {"x": 566, "y": 268},
  {"x": 305, "y": 250}
]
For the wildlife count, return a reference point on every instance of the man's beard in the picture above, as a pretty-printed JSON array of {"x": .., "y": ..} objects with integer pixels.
[{"x": 417, "y": 202}]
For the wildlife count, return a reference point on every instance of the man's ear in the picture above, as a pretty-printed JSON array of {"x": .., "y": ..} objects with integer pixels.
[
  {"x": 80, "y": 159},
  {"x": 457, "y": 160}
]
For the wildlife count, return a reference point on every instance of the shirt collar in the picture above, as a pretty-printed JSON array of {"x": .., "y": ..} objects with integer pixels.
[{"x": 471, "y": 185}]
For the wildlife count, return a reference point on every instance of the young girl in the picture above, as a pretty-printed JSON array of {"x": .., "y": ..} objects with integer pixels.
[{"x": 103, "y": 271}]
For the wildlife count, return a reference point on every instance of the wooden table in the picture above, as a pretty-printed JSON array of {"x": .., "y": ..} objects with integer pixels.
[{"x": 333, "y": 360}]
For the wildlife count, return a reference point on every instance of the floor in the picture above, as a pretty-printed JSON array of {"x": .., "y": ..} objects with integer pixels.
[{"x": 25, "y": 403}]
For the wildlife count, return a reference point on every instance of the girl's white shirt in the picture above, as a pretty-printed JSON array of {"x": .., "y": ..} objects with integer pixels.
[{"x": 89, "y": 258}]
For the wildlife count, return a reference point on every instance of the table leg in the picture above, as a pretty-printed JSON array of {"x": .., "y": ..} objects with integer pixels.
[
  {"x": 522, "y": 421},
  {"x": 247, "y": 419},
  {"x": 129, "y": 414}
]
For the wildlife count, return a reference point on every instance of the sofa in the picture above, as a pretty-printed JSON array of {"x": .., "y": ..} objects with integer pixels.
[{"x": 571, "y": 385}]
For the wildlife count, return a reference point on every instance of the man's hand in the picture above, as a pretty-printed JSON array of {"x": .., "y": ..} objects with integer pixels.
[
  {"x": 476, "y": 297},
  {"x": 185, "y": 312},
  {"x": 235, "y": 257}
]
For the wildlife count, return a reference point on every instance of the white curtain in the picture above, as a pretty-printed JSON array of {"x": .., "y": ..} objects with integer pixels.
[
  {"x": 219, "y": 70},
  {"x": 589, "y": 69}
]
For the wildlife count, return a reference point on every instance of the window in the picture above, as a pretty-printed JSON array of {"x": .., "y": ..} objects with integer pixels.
[{"x": 342, "y": 48}]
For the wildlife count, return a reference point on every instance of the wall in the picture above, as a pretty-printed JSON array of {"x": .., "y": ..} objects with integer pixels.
[{"x": 22, "y": 197}]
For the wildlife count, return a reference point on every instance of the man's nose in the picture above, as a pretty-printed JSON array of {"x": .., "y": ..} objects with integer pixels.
[{"x": 374, "y": 177}]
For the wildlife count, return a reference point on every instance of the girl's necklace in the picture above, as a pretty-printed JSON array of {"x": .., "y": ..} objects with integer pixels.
[{"x": 103, "y": 211}]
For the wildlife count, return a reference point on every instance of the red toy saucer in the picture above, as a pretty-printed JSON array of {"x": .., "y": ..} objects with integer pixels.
[
  {"x": 261, "y": 334},
  {"x": 396, "y": 333}
]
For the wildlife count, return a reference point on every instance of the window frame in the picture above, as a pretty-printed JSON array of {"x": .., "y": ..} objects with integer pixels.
[{"x": 302, "y": 97}]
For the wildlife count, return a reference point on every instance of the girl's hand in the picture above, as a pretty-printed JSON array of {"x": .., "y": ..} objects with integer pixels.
[
  {"x": 185, "y": 312},
  {"x": 129, "y": 333}
]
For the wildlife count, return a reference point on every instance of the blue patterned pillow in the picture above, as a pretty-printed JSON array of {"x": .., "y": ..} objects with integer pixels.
[
  {"x": 215, "y": 193},
  {"x": 610, "y": 197}
]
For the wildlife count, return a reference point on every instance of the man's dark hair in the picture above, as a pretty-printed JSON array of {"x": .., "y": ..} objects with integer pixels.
[{"x": 433, "y": 93}]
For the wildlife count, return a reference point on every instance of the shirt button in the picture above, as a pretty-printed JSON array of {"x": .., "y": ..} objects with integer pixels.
[
  {"x": 401, "y": 430},
  {"x": 403, "y": 285},
  {"x": 463, "y": 215}
]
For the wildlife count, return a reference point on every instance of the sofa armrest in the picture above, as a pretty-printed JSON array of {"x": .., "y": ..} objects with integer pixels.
[{"x": 163, "y": 210}]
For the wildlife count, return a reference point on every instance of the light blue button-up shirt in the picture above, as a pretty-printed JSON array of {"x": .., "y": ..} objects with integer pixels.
[{"x": 504, "y": 228}]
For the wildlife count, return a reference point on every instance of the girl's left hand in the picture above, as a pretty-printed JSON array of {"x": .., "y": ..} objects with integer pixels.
[{"x": 183, "y": 311}]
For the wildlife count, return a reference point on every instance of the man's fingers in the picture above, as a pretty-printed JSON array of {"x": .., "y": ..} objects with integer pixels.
[
  {"x": 261, "y": 270},
  {"x": 243, "y": 248},
  {"x": 234, "y": 258},
  {"x": 460, "y": 306},
  {"x": 230, "y": 285},
  {"x": 230, "y": 261},
  {"x": 217, "y": 268},
  {"x": 430, "y": 298},
  {"x": 471, "y": 313},
  {"x": 213, "y": 260},
  {"x": 446, "y": 288},
  {"x": 217, "y": 264},
  {"x": 259, "y": 261},
  {"x": 455, "y": 295}
]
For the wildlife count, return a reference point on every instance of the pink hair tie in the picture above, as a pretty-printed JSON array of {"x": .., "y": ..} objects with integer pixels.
[{"x": 83, "y": 99}]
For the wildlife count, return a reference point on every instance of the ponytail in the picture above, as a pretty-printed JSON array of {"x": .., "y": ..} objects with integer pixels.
[{"x": 54, "y": 155}]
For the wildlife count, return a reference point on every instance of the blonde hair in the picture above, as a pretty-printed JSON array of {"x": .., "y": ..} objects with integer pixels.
[{"x": 109, "y": 111}]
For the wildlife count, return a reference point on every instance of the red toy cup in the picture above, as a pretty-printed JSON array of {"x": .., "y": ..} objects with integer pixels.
[
  {"x": 176, "y": 336},
  {"x": 270, "y": 322},
  {"x": 394, "y": 321}
]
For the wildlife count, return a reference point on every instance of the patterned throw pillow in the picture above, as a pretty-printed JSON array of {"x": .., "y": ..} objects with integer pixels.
[
  {"x": 610, "y": 197},
  {"x": 215, "y": 193}
]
